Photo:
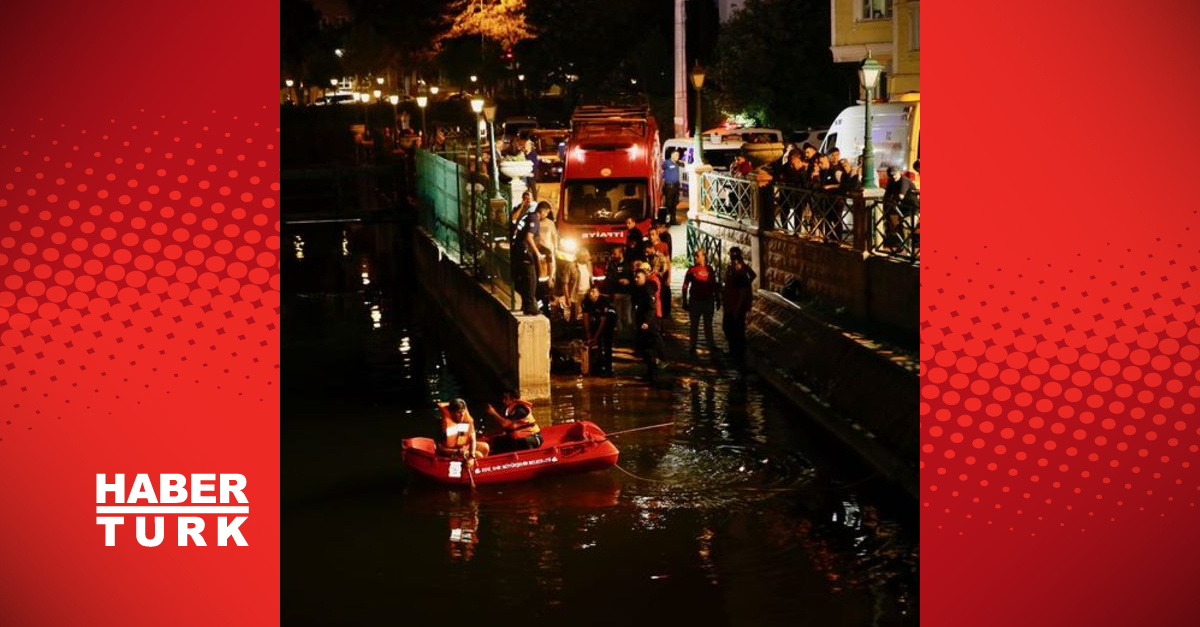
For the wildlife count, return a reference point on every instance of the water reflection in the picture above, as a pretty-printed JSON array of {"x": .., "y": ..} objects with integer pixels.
[{"x": 739, "y": 514}]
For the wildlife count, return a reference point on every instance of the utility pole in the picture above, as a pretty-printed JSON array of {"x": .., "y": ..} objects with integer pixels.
[{"x": 681, "y": 69}]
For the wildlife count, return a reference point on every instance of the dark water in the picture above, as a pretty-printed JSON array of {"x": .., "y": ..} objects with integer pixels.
[{"x": 743, "y": 513}]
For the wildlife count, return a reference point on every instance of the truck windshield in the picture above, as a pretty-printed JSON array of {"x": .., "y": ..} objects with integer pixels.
[{"x": 604, "y": 201}]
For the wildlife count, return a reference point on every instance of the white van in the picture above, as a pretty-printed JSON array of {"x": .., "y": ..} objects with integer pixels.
[{"x": 895, "y": 132}]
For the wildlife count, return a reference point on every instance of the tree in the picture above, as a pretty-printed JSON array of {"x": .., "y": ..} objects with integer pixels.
[
  {"x": 502, "y": 21},
  {"x": 773, "y": 63}
]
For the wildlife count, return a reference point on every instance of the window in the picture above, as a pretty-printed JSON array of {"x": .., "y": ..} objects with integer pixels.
[
  {"x": 605, "y": 201},
  {"x": 914, "y": 29},
  {"x": 875, "y": 10}
]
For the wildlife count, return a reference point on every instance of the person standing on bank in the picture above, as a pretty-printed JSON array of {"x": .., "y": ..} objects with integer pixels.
[
  {"x": 670, "y": 184},
  {"x": 599, "y": 322},
  {"x": 645, "y": 322},
  {"x": 526, "y": 257},
  {"x": 618, "y": 279},
  {"x": 521, "y": 431},
  {"x": 634, "y": 246},
  {"x": 738, "y": 297},
  {"x": 699, "y": 297}
]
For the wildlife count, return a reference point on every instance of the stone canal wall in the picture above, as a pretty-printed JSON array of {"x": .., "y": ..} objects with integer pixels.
[
  {"x": 859, "y": 388},
  {"x": 513, "y": 349},
  {"x": 855, "y": 388}
]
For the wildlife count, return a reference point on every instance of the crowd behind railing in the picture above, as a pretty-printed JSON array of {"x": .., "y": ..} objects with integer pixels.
[{"x": 820, "y": 197}]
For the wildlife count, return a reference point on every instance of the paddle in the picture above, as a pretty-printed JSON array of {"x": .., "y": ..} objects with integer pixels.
[{"x": 470, "y": 475}]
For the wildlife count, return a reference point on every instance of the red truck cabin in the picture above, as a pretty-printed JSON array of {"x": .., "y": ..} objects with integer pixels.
[{"x": 612, "y": 172}]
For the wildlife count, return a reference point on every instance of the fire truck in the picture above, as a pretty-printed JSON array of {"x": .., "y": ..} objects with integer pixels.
[{"x": 613, "y": 171}]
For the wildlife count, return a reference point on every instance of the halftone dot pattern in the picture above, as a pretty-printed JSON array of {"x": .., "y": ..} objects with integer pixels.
[
  {"x": 1061, "y": 398},
  {"x": 125, "y": 270}
]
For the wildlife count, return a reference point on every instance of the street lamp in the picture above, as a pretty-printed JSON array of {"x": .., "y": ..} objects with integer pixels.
[
  {"x": 422, "y": 101},
  {"x": 474, "y": 78},
  {"x": 289, "y": 82},
  {"x": 698, "y": 84},
  {"x": 377, "y": 93},
  {"x": 477, "y": 107},
  {"x": 379, "y": 80},
  {"x": 433, "y": 91},
  {"x": 868, "y": 75},
  {"x": 520, "y": 77}
]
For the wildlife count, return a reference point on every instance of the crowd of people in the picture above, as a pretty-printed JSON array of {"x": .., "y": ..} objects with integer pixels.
[{"x": 632, "y": 301}]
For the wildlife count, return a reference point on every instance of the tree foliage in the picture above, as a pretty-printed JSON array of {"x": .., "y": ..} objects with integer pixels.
[
  {"x": 773, "y": 63},
  {"x": 502, "y": 21}
]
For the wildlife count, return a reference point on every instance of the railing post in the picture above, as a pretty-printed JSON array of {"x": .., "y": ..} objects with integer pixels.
[{"x": 861, "y": 217}]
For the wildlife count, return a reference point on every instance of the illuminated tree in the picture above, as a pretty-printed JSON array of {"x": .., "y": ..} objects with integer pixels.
[{"x": 502, "y": 21}]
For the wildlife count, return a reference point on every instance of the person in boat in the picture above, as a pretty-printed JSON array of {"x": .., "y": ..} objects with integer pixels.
[
  {"x": 521, "y": 431},
  {"x": 458, "y": 432}
]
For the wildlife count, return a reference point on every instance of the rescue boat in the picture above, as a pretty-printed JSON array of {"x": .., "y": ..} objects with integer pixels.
[{"x": 566, "y": 449}]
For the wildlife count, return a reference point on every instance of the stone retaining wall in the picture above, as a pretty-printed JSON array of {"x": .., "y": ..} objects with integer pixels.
[
  {"x": 861, "y": 394},
  {"x": 514, "y": 348}
]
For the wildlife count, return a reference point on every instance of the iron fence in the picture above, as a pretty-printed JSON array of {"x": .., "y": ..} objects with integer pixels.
[
  {"x": 861, "y": 220},
  {"x": 729, "y": 197},
  {"x": 712, "y": 246},
  {"x": 896, "y": 228},
  {"x": 468, "y": 222}
]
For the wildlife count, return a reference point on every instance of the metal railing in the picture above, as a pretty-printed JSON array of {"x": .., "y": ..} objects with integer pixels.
[
  {"x": 859, "y": 220},
  {"x": 472, "y": 228},
  {"x": 728, "y": 196},
  {"x": 712, "y": 246}
]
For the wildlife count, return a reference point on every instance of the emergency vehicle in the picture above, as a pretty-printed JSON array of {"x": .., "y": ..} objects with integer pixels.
[{"x": 613, "y": 171}]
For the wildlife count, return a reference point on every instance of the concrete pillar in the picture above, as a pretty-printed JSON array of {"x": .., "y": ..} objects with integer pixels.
[{"x": 533, "y": 357}]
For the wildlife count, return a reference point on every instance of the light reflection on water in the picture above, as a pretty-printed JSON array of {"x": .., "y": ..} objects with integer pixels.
[{"x": 739, "y": 514}]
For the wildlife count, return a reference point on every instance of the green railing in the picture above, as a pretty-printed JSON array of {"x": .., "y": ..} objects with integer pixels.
[{"x": 468, "y": 221}]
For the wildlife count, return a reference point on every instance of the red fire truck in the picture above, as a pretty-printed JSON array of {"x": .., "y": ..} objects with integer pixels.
[{"x": 612, "y": 172}]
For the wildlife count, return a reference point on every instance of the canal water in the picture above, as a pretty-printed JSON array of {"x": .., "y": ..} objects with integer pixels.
[{"x": 741, "y": 513}]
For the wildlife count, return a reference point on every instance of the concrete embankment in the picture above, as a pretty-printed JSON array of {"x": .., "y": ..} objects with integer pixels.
[
  {"x": 513, "y": 349},
  {"x": 863, "y": 392}
]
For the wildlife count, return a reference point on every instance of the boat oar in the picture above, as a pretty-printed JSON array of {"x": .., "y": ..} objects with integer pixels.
[
  {"x": 470, "y": 476},
  {"x": 658, "y": 426}
]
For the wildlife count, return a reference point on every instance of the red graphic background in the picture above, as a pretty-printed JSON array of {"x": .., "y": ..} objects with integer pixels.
[
  {"x": 139, "y": 302},
  {"x": 1060, "y": 292}
]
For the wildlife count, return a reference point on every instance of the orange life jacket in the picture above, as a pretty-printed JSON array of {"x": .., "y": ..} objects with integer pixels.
[
  {"x": 524, "y": 427},
  {"x": 455, "y": 434}
]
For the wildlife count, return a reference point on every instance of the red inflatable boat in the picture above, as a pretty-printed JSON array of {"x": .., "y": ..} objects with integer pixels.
[{"x": 566, "y": 448}]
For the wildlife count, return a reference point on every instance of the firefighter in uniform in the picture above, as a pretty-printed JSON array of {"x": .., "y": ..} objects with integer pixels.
[{"x": 521, "y": 431}]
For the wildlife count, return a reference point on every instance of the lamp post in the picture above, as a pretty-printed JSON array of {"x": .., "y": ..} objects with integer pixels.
[
  {"x": 433, "y": 91},
  {"x": 489, "y": 116},
  {"x": 477, "y": 107},
  {"x": 698, "y": 84},
  {"x": 395, "y": 100},
  {"x": 422, "y": 102},
  {"x": 868, "y": 75}
]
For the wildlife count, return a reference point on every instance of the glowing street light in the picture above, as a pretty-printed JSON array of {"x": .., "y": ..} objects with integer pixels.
[
  {"x": 333, "y": 82},
  {"x": 433, "y": 91},
  {"x": 477, "y": 105},
  {"x": 474, "y": 79},
  {"x": 422, "y": 101},
  {"x": 379, "y": 81},
  {"x": 868, "y": 75},
  {"x": 394, "y": 99},
  {"x": 339, "y": 52},
  {"x": 289, "y": 82},
  {"x": 520, "y": 77},
  {"x": 698, "y": 84}
]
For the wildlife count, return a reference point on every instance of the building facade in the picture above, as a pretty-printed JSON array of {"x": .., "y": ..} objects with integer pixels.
[{"x": 889, "y": 29}]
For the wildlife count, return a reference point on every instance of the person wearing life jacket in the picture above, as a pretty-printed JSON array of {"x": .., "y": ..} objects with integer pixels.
[
  {"x": 521, "y": 431},
  {"x": 457, "y": 436}
]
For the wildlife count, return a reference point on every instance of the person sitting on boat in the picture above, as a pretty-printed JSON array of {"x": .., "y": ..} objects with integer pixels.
[
  {"x": 458, "y": 432},
  {"x": 521, "y": 431}
]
